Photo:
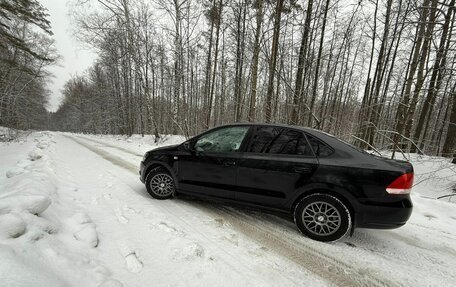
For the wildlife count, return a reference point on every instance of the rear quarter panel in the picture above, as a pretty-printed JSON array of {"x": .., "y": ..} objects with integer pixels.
[{"x": 357, "y": 176}]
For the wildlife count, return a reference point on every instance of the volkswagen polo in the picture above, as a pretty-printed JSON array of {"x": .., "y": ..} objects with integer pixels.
[{"x": 328, "y": 185}]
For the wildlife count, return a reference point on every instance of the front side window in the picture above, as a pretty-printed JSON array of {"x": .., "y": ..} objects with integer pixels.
[{"x": 222, "y": 140}]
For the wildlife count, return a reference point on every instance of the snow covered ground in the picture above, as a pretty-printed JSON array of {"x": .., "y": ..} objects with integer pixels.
[{"x": 74, "y": 213}]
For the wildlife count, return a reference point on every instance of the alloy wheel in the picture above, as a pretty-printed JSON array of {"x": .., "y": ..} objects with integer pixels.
[
  {"x": 162, "y": 184},
  {"x": 321, "y": 218}
]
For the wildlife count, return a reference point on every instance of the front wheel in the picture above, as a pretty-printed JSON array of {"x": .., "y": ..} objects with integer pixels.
[
  {"x": 322, "y": 217},
  {"x": 160, "y": 183}
]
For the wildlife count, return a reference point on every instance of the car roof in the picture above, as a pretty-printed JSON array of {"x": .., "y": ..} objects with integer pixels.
[{"x": 310, "y": 130}]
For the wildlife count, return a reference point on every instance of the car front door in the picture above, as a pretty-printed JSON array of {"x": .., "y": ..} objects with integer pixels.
[
  {"x": 276, "y": 162},
  {"x": 209, "y": 168}
]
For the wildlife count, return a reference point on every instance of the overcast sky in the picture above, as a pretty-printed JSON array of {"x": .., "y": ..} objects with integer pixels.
[{"x": 75, "y": 58}]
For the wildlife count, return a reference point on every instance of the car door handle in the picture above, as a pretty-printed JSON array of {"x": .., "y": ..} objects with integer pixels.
[
  {"x": 302, "y": 169},
  {"x": 229, "y": 162}
]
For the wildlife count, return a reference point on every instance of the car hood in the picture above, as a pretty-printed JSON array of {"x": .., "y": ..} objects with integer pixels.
[{"x": 165, "y": 148}]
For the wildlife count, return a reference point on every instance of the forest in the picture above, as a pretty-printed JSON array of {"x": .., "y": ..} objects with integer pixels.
[
  {"x": 377, "y": 73},
  {"x": 26, "y": 49}
]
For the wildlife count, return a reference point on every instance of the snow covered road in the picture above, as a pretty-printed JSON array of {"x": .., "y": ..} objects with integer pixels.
[{"x": 187, "y": 242}]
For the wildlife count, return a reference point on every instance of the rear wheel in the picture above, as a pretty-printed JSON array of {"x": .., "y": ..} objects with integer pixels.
[
  {"x": 160, "y": 183},
  {"x": 322, "y": 217}
]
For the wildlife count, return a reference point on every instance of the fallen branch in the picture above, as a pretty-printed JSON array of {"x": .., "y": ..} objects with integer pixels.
[
  {"x": 447, "y": 195},
  {"x": 404, "y": 137},
  {"x": 373, "y": 148},
  {"x": 395, "y": 145}
]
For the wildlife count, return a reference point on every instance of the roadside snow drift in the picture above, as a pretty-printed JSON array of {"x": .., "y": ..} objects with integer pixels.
[{"x": 44, "y": 241}]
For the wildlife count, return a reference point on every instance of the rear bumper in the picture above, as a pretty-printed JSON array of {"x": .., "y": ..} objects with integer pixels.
[{"x": 384, "y": 213}]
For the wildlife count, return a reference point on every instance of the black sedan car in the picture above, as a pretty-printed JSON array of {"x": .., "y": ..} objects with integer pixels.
[{"x": 328, "y": 185}]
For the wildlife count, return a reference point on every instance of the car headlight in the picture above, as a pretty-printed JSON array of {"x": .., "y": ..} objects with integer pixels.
[{"x": 145, "y": 156}]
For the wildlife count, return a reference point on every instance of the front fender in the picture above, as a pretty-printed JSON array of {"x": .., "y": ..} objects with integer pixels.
[{"x": 155, "y": 163}]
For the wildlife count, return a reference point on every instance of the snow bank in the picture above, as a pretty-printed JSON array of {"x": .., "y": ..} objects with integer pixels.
[
  {"x": 34, "y": 204},
  {"x": 19, "y": 271},
  {"x": 434, "y": 176},
  {"x": 17, "y": 170},
  {"x": 11, "y": 226},
  {"x": 45, "y": 240},
  {"x": 35, "y": 154}
]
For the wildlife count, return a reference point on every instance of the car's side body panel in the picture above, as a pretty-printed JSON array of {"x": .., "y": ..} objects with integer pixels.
[
  {"x": 271, "y": 180},
  {"x": 209, "y": 174}
]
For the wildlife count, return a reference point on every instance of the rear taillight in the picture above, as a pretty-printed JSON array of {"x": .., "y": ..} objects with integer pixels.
[{"x": 401, "y": 185}]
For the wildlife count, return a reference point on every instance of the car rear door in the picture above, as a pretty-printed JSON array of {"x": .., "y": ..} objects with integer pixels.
[
  {"x": 276, "y": 162},
  {"x": 210, "y": 167}
]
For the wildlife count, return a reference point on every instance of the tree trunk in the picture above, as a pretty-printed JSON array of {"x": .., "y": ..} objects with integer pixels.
[
  {"x": 378, "y": 79},
  {"x": 273, "y": 59},
  {"x": 364, "y": 113},
  {"x": 401, "y": 115},
  {"x": 240, "y": 35},
  {"x": 421, "y": 75},
  {"x": 207, "y": 82},
  {"x": 301, "y": 62},
  {"x": 317, "y": 65},
  {"x": 255, "y": 58},
  {"x": 437, "y": 71},
  {"x": 217, "y": 36}
]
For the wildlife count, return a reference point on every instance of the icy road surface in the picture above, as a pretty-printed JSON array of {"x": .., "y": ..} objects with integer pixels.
[{"x": 74, "y": 213}]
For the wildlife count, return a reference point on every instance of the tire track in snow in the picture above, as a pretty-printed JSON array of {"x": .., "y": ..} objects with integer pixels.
[
  {"x": 112, "y": 146},
  {"x": 329, "y": 267},
  {"x": 310, "y": 258},
  {"x": 108, "y": 156}
]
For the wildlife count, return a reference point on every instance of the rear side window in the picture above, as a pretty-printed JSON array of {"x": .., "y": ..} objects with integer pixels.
[
  {"x": 319, "y": 147},
  {"x": 263, "y": 138},
  {"x": 280, "y": 141}
]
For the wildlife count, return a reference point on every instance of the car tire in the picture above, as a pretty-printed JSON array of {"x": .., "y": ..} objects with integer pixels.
[
  {"x": 322, "y": 217},
  {"x": 160, "y": 183}
]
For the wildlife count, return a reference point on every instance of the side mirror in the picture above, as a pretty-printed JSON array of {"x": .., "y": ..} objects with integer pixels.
[{"x": 187, "y": 146}]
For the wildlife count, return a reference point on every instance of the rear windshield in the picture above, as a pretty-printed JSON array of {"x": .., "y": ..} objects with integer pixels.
[{"x": 371, "y": 153}]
